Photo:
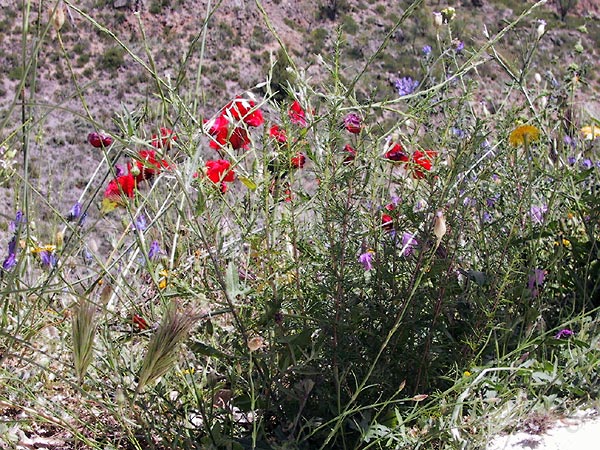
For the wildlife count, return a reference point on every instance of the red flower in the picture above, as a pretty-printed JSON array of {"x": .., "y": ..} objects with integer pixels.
[
  {"x": 387, "y": 222},
  {"x": 218, "y": 171},
  {"x": 140, "y": 322},
  {"x": 350, "y": 154},
  {"x": 219, "y": 130},
  {"x": 396, "y": 153},
  {"x": 167, "y": 136},
  {"x": 239, "y": 139},
  {"x": 245, "y": 110},
  {"x": 124, "y": 184},
  {"x": 298, "y": 161},
  {"x": 99, "y": 140},
  {"x": 278, "y": 134},
  {"x": 297, "y": 114},
  {"x": 148, "y": 165},
  {"x": 423, "y": 160},
  {"x": 353, "y": 123}
]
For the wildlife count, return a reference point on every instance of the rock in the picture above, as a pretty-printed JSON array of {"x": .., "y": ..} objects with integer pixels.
[{"x": 122, "y": 4}]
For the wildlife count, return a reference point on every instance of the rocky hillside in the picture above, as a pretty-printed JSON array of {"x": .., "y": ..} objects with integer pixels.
[{"x": 236, "y": 53}]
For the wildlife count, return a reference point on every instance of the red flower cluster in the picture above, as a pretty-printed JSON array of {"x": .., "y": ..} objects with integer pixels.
[
  {"x": 224, "y": 129},
  {"x": 387, "y": 221},
  {"x": 219, "y": 171},
  {"x": 421, "y": 161},
  {"x": 144, "y": 167},
  {"x": 298, "y": 161}
]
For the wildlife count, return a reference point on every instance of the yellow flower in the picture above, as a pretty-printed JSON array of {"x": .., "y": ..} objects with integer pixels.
[
  {"x": 590, "y": 132},
  {"x": 522, "y": 134},
  {"x": 44, "y": 248},
  {"x": 466, "y": 373},
  {"x": 163, "y": 282}
]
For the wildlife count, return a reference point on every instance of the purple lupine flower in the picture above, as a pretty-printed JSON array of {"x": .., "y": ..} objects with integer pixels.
[
  {"x": 406, "y": 86},
  {"x": 154, "y": 251},
  {"x": 487, "y": 217},
  {"x": 427, "y": 50},
  {"x": 366, "y": 259},
  {"x": 537, "y": 213},
  {"x": 48, "y": 258},
  {"x": 408, "y": 243},
  {"x": 536, "y": 279},
  {"x": 563, "y": 334},
  {"x": 587, "y": 164},
  {"x": 469, "y": 202},
  {"x": 140, "y": 223},
  {"x": 459, "y": 46},
  {"x": 74, "y": 212},
  {"x": 571, "y": 160}
]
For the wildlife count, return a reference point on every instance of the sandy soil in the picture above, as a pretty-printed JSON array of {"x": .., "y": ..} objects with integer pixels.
[{"x": 578, "y": 432}]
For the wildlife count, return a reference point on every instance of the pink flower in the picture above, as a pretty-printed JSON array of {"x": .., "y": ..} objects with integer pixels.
[{"x": 366, "y": 259}]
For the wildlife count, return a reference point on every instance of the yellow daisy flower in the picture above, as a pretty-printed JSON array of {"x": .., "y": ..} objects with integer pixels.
[{"x": 522, "y": 134}]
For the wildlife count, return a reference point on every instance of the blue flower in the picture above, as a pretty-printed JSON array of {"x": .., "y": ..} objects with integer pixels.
[
  {"x": 11, "y": 260},
  {"x": 406, "y": 86},
  {"x": 564, "y": 333},
  {"x": 48, "y": 258},
  {"x": 427, "y": 50}
]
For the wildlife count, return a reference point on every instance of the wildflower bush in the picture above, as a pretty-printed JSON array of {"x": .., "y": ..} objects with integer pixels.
[{"x": 298, "y": 269}]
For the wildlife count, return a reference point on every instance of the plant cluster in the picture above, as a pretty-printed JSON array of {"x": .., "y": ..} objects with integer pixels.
[{"x": 305, "y": 270}]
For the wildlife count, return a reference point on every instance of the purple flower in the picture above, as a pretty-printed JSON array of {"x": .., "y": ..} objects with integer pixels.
[
  {"x": 154, "y": 251},
  {"x": 427, "y": 50},
  {"x": 491, "y": 201},
  {"x": 140, "y": 223},
  {"x": 11, "y": 260},
  {"x": 75, "y": 212},
  {"x": 408, "y": 243},
  {"x": 587, "y": 164},
  {"x": 47, "y": 258},
  {"x": 406, "y": 86},
  {"x": 487, "y": 217},
  {"x": 19, "y": 219},
  {"x": 563, "y": 334},
  {"x": 569, "y": 141},
  {"x": 536, "y": 279},
  {"x": 366, "y": 259},
  {"x": 458, "y": 132},
  {"x": 571, "y": 160},
  {"x": 537, "y": 214},
  {"x": 460, "y": 45}
]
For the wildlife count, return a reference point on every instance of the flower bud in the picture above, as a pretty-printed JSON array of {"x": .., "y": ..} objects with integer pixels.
[
  {"x": 439, "y": 226},
  {"x": 541, "y": 29},
  {"x": 57, "y": 16},
  {"x": 438, "y": 21}
]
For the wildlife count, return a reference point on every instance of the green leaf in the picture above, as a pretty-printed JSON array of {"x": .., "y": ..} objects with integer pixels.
[{"x": 247, "y": 182}]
